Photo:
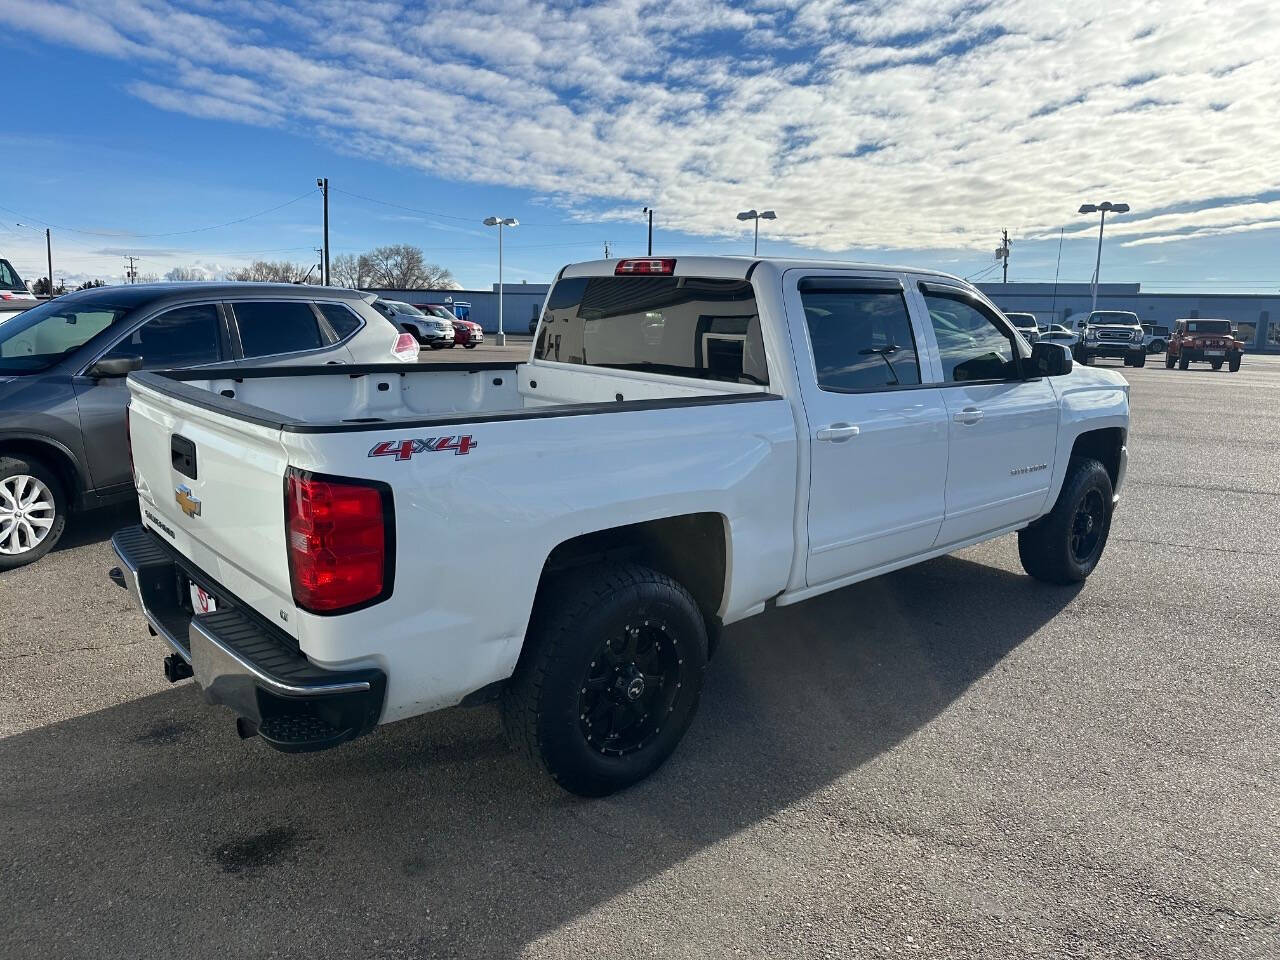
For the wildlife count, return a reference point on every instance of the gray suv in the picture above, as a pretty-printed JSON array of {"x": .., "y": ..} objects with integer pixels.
[{"x": 63, "y": 433}]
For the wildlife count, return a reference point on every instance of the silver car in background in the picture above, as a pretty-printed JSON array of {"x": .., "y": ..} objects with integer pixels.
[{"x": 431, "y": 331}]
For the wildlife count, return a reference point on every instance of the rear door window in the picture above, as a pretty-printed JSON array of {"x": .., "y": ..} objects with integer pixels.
[
  {"x": 681, "y": 326},
  {"x": 861, "y": 338},
  {"x": 182, "y": 337},
  {"x": 271, "y": 327}
]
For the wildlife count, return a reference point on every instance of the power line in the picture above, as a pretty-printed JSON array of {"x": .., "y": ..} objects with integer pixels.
[{"x": 152, "y": 236}]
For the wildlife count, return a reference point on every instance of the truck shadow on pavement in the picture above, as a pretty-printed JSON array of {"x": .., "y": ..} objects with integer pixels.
[{"x": 430, "y": 838}]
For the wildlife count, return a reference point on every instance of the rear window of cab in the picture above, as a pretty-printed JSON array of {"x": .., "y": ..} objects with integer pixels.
[{"x": 698, "y": 327}]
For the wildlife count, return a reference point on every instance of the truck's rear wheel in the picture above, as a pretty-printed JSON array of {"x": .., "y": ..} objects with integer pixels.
[
  {"x": 1065, "y": 545},
  {"x": 609, "y": 678},
  {"x": 33, "y": 511}
]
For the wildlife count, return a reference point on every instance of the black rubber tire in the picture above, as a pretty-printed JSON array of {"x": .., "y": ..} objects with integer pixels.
[
  {"x": 1128, "y": 362},
  {"x": 13, "y": 466},
  {"x": 1044, "y": 547},
  {"x": 471, "y": 346},
  {"x": 1183, "y": 363},
  {"x": 1169, "y": 361},
  {"x": 1233, "y": 362},
  {"x": 1086, "y": 359},
  {"x": 1140, "y": 361},
  {"x": 541, "y": 701},
  {"x": 1216, "y": 364}
]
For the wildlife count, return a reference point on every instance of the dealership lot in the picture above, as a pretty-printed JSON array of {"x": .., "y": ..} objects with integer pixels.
[{"x": 949, "y": 761}]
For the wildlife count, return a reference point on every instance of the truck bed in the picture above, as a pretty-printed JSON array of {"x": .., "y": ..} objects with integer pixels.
[{"x": 362, "y": 397}]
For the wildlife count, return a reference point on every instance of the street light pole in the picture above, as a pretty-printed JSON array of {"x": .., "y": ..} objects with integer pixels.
[
  {"x": 48, "y": 249},
  {"x": 649, "y": 211},
  {"x": 500, "y": 222},
  {"x": 1100, "y": 208},
  {"x": 757, "y": 217}
]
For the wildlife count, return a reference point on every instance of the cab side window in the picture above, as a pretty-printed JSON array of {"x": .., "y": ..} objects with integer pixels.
[
  {"x": 861, "y": 338},
  {"x": 971, "y": 343},
  {"x": 182, "y": 337}
]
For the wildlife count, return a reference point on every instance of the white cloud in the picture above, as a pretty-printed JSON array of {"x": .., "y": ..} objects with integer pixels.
[{"x": 888, "y": 123}]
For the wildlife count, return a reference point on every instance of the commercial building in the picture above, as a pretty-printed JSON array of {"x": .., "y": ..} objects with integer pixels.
[{"x": 1255, "y": 315}]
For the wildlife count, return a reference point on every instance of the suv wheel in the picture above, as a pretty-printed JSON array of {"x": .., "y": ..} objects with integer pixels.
[
  {"x": 609, "y": 677},
  {"x": 33, "y": 511},
  {"x": 1065, "y": 545},
  {"x": 1216, "y": 364},
  {"x": 1233, "y": 362},
  {"x": 1183, "y": 363},
  {"x": 1169, "y": 361}
]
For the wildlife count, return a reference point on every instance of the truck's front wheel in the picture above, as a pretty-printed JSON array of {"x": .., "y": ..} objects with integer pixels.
[
  {"x": 1065, "y": 545},
  {"x": 609, "y": 678}
]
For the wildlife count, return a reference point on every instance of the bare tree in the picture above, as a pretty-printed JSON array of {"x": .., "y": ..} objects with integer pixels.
[
  {"x": 91, "y": 284},
  {"x": 349, "y": 270},
  {"x": 187, "y": 274},
  {"x": 401, "y": 266},
  {"x": 148, "y": 278},
  {"x": 268, "y": 271}
]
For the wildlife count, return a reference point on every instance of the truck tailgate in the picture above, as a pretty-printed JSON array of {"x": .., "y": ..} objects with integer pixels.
[{"x": 213, "y": 487}]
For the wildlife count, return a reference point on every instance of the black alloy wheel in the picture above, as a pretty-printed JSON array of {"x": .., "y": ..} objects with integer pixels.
[
  {"x": 1087, "y": 526},
  {"x": 630, "y": 687}
]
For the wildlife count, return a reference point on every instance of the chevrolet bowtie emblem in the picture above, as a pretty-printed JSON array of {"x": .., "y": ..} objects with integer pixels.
[{"x": 188, "y": 501}]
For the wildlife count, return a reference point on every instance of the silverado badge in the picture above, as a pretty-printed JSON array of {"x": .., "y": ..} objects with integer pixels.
[{"x": 187, "y": 500}]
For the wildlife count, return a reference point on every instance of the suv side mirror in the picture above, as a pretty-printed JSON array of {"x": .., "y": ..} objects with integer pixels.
[
  {"x": 113, "y": 367},
  {"x": 1049, "y": 359}
]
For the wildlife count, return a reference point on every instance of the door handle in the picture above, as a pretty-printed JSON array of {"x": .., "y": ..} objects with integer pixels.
[
  {"x": 969, "y": 415},
  {"x": 838, "y": 432}
]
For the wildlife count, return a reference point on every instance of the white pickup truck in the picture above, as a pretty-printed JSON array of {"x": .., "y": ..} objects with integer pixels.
[{"x": 690, "y": 441}]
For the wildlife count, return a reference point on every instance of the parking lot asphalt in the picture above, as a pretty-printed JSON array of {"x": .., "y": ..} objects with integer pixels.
[{"x": 949, "y": 761}]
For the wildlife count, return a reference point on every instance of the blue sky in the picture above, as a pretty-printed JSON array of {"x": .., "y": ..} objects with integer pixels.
[{"x": 907, "y": 131}]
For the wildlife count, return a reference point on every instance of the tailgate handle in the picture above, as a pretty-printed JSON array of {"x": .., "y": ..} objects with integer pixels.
[{"x": 183, "y": 453}]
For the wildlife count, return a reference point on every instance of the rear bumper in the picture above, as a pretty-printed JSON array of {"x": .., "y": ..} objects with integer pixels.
[{"x": 240, "y": 661}]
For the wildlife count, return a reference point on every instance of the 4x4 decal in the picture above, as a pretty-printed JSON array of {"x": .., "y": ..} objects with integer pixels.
[{"x": 405, "y": 449}]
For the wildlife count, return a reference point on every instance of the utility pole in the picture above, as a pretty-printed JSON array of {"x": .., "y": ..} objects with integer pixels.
[
  {"x": 323, "y": 184},
  {"x": 48, "y": 249},
  {"x": 133, "y": 274},
  {"x": 1002, "y": 252},
  {"x": 649, "y": 211},
  {"x": 606, "y": 249}
]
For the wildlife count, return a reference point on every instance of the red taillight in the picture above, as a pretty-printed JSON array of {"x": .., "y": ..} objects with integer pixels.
[
  {"x": 653, "y": 266},
  {"x": 341, "y": 541},
  {"x": 405, "y": 348}
]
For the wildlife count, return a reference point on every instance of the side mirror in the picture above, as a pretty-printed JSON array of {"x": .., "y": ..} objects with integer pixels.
[
  {"x": 114, "y": 367},
  {"x": 1049, "y": 359}
]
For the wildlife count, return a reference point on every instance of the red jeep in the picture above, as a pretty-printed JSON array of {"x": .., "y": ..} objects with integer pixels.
[{"x": 1204, "y": 341}]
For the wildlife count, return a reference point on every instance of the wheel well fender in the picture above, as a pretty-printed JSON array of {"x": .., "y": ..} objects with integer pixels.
[
  {"x": 1103, "y": 445},
  {"x": 52, "y": 453},
  {"x": 693, "y": 549}
]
